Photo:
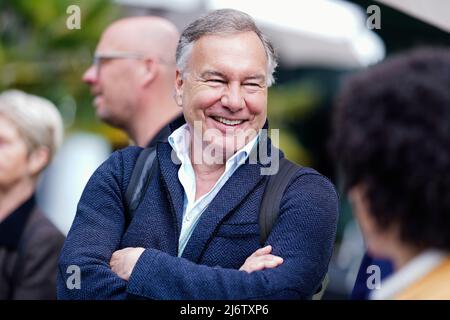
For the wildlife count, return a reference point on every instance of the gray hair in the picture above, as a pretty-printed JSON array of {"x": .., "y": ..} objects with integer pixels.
[
  {"x": 37, "y": 119},
  {"x": 223, "y": 21}
]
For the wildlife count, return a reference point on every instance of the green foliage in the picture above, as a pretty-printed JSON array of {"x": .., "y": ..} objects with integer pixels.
[{"x": 41, "y": 55}]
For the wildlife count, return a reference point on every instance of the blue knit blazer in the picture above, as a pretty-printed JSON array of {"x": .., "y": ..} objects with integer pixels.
[{"x": 226, "y": 234}]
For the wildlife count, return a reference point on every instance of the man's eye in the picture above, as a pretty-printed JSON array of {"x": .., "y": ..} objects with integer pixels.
[
  {"x": 215, "y": 80},
  {"x": 252, "y": 84}
]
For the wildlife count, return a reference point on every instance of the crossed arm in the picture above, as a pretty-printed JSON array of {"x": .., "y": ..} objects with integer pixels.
[
  {"x": 123, "y": 261},
  {"x": 108, "y": 273}
]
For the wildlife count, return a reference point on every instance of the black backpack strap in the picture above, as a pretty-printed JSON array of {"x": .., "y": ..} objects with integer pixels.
[
  {"x": 270, "y": 205},
  {"x": 144, "y": 169}
]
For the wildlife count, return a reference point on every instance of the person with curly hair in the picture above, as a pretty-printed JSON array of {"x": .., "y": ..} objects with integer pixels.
[{"x": 392, "y": 143}]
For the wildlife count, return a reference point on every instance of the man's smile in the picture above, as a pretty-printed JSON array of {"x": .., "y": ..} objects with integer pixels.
[{"x": 228, "y": 122}]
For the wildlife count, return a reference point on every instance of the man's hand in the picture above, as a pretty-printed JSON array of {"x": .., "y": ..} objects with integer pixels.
[
  {"x": 123, "y": 261},
  {"x": 261, "y": 259}
]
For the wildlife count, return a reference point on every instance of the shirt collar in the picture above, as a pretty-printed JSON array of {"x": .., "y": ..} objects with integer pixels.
[
  {"x": 180, "y": 140},
  {"x": 11, "y": 228},
  {"x": 415, "y": 269}
]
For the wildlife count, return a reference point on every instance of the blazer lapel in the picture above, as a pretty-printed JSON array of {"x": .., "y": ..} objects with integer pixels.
[
  {"x": 235, "y": 190},
  {"x": 169, "y": 173},
  {"x": 239, "y": 185}
]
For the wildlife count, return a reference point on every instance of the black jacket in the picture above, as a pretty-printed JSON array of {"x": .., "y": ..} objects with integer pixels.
[{"x": 29, "y": 251}]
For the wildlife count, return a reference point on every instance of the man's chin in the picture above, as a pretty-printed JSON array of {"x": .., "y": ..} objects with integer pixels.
[
  {"x": 102, "y": 116},
  {"x": 106, "y": 118}
]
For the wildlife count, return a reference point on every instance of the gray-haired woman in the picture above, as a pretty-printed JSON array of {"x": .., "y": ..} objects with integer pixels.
[{"x": 30, "y": 132}]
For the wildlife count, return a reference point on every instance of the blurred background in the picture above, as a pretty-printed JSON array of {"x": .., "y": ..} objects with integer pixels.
[{"x": 318, "y": 42}]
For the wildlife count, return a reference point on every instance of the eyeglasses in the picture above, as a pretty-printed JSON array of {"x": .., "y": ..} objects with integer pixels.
[{"x": 98, "y": 57}]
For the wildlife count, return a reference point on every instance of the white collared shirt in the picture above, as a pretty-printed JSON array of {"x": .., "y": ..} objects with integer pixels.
[
  {"x": 192, "y": 209},
  {"x": 415, "y": 269}
]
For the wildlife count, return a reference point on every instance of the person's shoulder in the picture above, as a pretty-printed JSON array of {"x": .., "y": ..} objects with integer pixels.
[
  {"x": 120, "y": 161},
  {"x": 307, "y": 173},
  {"x": 312, "y": 198},
  {"x": 40, "y": 231},
  {"x": 126, "y": 155},
  {"x": 309, "y": 181}
]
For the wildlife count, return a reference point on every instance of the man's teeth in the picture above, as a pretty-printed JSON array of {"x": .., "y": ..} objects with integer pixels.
[{"x": 228, "y": 122}]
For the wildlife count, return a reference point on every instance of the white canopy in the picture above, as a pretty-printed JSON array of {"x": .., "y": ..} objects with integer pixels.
[
  {"x": 435, "y": 12},
  {"x": 330, "y": 33}
]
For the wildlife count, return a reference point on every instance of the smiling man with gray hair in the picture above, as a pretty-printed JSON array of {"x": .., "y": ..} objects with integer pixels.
[{"x": 196, "y": 233}]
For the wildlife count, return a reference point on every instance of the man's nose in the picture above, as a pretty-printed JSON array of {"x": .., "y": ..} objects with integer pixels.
[
  {"x": 233, "y": 98},
  {"x": 90, "y": 75}
]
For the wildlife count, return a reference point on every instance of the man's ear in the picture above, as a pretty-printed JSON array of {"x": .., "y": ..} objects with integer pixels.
[
  {"x": 179, "y": 88},
  {"x": 37, "y": 160},
  {"x": 150, "y": 71}
]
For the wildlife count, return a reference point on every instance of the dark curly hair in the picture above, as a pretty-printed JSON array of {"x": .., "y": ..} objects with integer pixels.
[{"x": 392, "y": 137}]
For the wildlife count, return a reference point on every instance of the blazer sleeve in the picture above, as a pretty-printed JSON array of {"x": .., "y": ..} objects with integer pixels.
[
  {"x": 303, "y": 235},
  {"x": 95, "y": 234}
]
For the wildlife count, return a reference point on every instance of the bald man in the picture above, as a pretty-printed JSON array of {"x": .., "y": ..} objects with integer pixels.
[{"x": 133, "y": 75}]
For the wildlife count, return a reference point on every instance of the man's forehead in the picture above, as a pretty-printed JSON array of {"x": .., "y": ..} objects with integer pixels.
[
  {"x": 115, "y": 38},
  {"x": 246, "y": 74},
  {"x": 110, "y": 43},
  {"x": 216, "y": 38},
  {"x": 230, "y": 51}
]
